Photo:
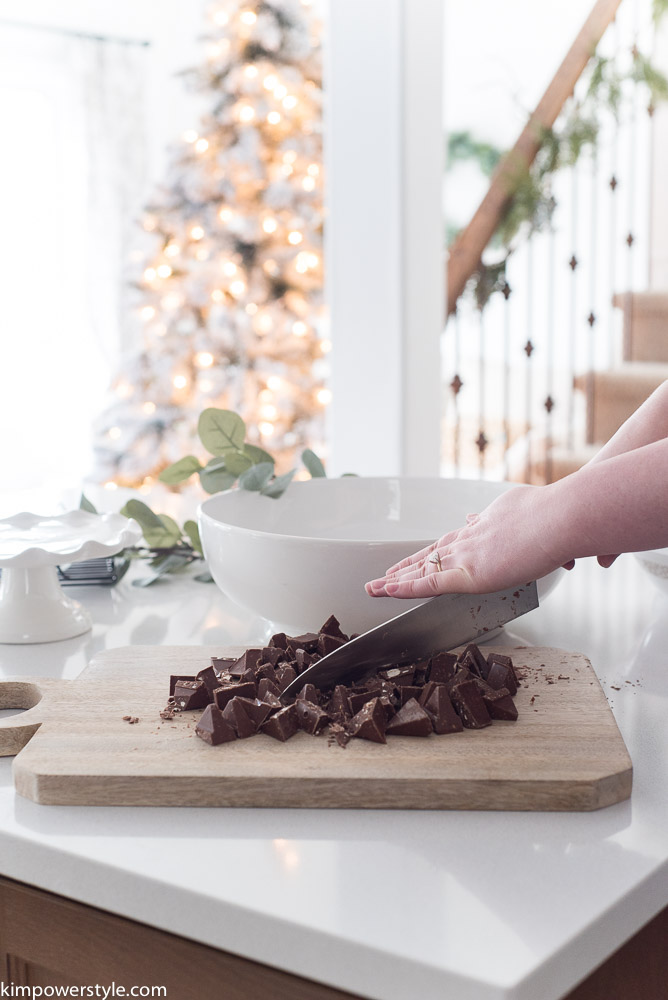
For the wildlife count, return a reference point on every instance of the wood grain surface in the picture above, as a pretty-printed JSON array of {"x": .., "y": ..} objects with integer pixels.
[{"x": 565, "y": 752}]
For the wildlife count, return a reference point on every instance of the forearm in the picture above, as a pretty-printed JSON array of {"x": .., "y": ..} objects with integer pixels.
[{"x": 649, "y": 423}]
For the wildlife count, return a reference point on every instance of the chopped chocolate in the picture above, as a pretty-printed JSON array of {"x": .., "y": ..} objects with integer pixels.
[
  {"x": 399, "y": 675},
  {"x": 474, "y": 660},
  {"x": 210, "y": 679},
  {"x": 442, "y": 667},
  {"x": 191, "y": 694},
  {"x": 284, "y": 676},
  {"x": 338, "y": 733},
  {"x": 308, "y": 641},
  {"x": 463, "y": 674},
  {"x": 272, "y": 655},
  {"x": 410, "y": 720},
  {"x": 238, "y": 718},
  {"x": 500, "y": 705},
  {"x": 310, "y": 693},
  {"x": 501, "y": 676},
  {"x": 248, "y": 660},
  {"x": 256, "y": 710},
  {"x": 505, "y": 661},
  {"x": 282, "y": 725},
  {"x": 265, "y": 671},
  {"x": 266, "y": 687},
  {"x": 280, "y": 640},
  {"x": 225, "y": 694},
  {"x": 339, "y": 704},
  {"x": 328, "y": 643},
  {"x": 332, "y": 627},
  {"x": 304, "y": 659},
  {"x": 312, "y": 719},
  {"x": 369, "y": 723},
  {"x": 213, "y": 728},
  {"x": 272, "y": 701},
  {"x": 441, "y": 710},
  {"x": 175, "y": 678},
  {"x": 222, "y": 664},
  {"x": 426, "y": 692},
  {"x": 469, "y": 705},
  {"x": 359, "y": 698}
]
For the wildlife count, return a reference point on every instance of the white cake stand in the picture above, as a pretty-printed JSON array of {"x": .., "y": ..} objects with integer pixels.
[{"x": 33, "y": 607}]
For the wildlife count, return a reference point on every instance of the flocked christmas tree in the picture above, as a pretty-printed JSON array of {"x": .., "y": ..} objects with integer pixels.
[{"x": 229, "y": 294}]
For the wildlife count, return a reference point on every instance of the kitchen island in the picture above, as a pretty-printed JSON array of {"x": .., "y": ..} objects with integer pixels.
[{"x": 376, "y": 904}]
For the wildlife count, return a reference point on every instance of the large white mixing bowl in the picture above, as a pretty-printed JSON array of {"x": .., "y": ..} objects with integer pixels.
[{"x": 297, "y": 559}]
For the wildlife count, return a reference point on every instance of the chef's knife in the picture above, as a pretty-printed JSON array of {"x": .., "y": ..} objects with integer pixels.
[{"x": 440, "y": 623}]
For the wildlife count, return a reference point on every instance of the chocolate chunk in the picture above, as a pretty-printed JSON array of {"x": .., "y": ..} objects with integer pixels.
[
  {"x": 443, "y": 716},
  {"x": 408, "y": 691},
  {"x": 265, "y": 670},
  {"x": 282, "y": 725},
  {"x": 338, "y": 733},
  {"x": 339, "y": 704},
  {"x": 225, "y": 694},
  {"x": 469, "y": 705},
  {"x": 411, "y": 720},
  {"x": 256, "y": 710},
  {"x": 308, "y": 641},
  {"x": 190, "y": 694},
  {"x": 213, "y": 728},
  {"x": 463, "y": 674},
  {"x": 222, "y": 664},
  {"x": 312, "y": 719},
  {"x": 280, "y": 640},
  {"x": 332, "y": 627},
  {"x": 501, "y": 676},
  {"x": 310, "y": 693},
  {"x": 248, "y": 660},
  {"x": 369, "y": 723},
  {"x": 399, "y": 675},
  {"x": 359, "y": 698},
  {"x": 285, "y": 675},
  {"x": 442, "y": 667},
  {"x": 210, "y": 678},
  {"x": 328, "y": 643},
  {"x": 266, "y": 687},
  {"x": 500, "y": 705},
  {"x": 474, "y": 660},
  {"x": 175, "y": 678},
  {"x": 505, "y": 661},
  {"x": 234, "y": 714},
  {"x": 274, "y": 703},
  {"x": 304, "y": 659},
  {"x": 272, "y": 655},
  {"x": 427, "y": 691}
]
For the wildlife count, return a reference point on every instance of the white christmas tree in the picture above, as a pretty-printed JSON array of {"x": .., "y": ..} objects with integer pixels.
[{"x": 229, "y": 293}]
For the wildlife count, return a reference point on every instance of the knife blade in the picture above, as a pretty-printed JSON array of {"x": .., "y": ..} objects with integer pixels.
[{"x": 441, "y": 623}]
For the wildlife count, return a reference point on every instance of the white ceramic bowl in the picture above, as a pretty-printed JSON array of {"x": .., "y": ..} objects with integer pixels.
[
  {"x": 655, "y": 561},
  {"x": 297, "y": 559}
]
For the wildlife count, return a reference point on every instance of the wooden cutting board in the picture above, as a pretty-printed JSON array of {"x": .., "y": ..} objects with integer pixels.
[{"x": 565, "y": 752}]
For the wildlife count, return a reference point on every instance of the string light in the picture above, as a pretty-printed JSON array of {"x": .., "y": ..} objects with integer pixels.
[
  {"x": 203, "y": 359},
  {"x": 290, "y": 102},
  {"x": 299, "y": 328},
  {"x": 190, "y": 136},
  {"x": 266, "y": 428},
  {"x": 114, "y": 433},
  {"x": 270, "y": 81},
  {"x": 324, "y": 396},
  {"x": 180, "y": 381},
  {"x": 238, "y": 287},
  {"x": 196, "y": 233},
  {"x": 110, "y": 485},
  {"x": 221, "y": 17},
  {"x": 295, "y": 237},
  {"x": 218, "y": 295},
  {"x": 246, "y": 113},
  {"x": 270, "y": 225},
  {"x": 251, "y": 308},
  {"x": 202, "y": 145},
  {"x": 172, "y": 250},
  {"x": 273, "y": 117},
  {"x": 147, "y": 312},
  {"x": 164, "y": 271},
  {"x": 280, "y": 91},
  {"x": 250, "y": 71},
  {"x": 229, "y": 268},
  {"x": 148, "y": 407},
  {"x": 308, "y": 184},
  {"x": 150, "y": 274},
  {"x": 248, "y": 16},
  {"x": 225, "y": 214}
]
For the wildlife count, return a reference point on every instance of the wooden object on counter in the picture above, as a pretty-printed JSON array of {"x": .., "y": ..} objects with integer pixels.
[{"x": 564, "y": 753}]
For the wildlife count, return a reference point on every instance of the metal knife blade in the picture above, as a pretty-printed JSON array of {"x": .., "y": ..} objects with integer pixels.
[{"x": 441, "y": 623}]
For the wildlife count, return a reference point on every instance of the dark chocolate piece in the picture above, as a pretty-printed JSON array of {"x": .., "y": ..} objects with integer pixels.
[
  {"x": 500, "y": 705},
  {"x": 225, "y": 694},
  {"x": 463, "y": 674},
  {"x": 304, "y": 659},
  {"x": 469, "y": 705},
  {"x": 474, "y": 660},
  {"x": 332, "y": 627},
  {"x": 339, "y": 706},
  {"x": 328, "y": 643},
  {"x": 442, "y": 667},
  {"x": 411, "y": 720},
  {"x": 274, "y": 703},
  {"x": 307, "y": 641},
  {"x": 265, "y": 671},
  {"x": 427, "y": 691},
  {"x": 266, "y": 687},
  {"x": 272, "y": 655},
  {"x": 369, "y": 723},
  {"x": 241, "y": 722},
  {"x": 213, "y": 728},
  {"x": 179, "y": 677},
  {"x": 210, "y": 679},
  {"x": 399, "y": 675},
  {"x": 358, "y": 698},
  {"x": 338, "y": 733},
  {"x": 501, "y": 676},
  {"x": 285, "y": 675},
  {"x": 408, "y": 691},
  {"x": 310, "y": 693},
  {"x": 190, "y": 694},
  {"x": 504, "y": 661},
  {"x": 282, "y": 725},
  {"x": 441, "y": 710},
  {"x": 248, "y": 660},
  {"x": 312, "y": 719},
  {"x": 256, "y": 710},
  {"x": 280, "y": 640},
  {"x": 222, "y": 664}
]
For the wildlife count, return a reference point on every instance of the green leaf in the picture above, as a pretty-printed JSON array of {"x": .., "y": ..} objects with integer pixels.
[
  {"x": 192, "y": 531},
  {"x": 204, "y": 577},
  {"x": 181, "y": 470},
  {"x": 158, "y": 533},
  {"x": 313, "y": 464},
  {"x": 257, "y": 455},
  {"x": 278, "y": 485},
  {"x": 85, "y": 504},
  {"x": 236, "y": 462},
  {"x": 221, "y": 431},
  {"x": 215, "y": 478},
  {"x": 257, "y": 476},
  {"x": 163, "y": 566}
]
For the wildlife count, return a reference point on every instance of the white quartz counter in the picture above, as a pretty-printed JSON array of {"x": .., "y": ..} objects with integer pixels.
[{"x": 389, "y": 905}]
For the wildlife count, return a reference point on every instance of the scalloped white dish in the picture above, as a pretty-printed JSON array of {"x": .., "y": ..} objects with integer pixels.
[{"x": 655, "y": 562}]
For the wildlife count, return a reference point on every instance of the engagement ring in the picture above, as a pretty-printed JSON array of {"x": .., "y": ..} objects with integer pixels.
[{"x": 436, "y": 560}]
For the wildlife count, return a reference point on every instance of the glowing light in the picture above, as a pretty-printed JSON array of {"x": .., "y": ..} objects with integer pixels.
[
  {"x": 124, "y": 390},
  {"x": 325, "y": 345},
  {"x": 172, "y": 250},
  {"x": 264, "y": 323},
  {"x": 265, "y": 395},
  {"x": 225, "y": 214},
  {"x": 148, "y": 407},
  {"x": 149, "y": 223},
  {"x": 221, "y": 17},
  {"x": 287, "y": 170},
  {"x": 274, "y": 382},
  {"x": 290, "y": 156},
  {"x": 150, "y": 274},
  {"x": 308, "y": 184},
  {"x": 203, "y": 359},
  {"x": 266, "y": 428},
  {"x": 248, "y": 17},
  {"x": 280, "y": 91},
  {"x": 324, "y": 396},
  {"x": 269, "y": 81},
  {"x": 246, "y": 113},
  {"x": 114, "y": 433},
  {"x": 295, "y": 237},
  {"x": 202, "y": 253},
  {"x": 147, "y": 312},
  {"x": 250, "y": 71},
  {"x": 271, "y": 267},
  {"x": 299, "y": 328},
  {"x": 180, "y": 381},
  {"x": 238, "y": 287},
  {"x": 313, "y": 169},
  {"x": 218, "y": 295},
  {"x": 196, "y": 233},
  {"x": 312, "y": 259},
  {"x": 174, "y": 300},
  {"x": 202, "y": 145},
  {"x": 190, "y": 135},
  {"x": 269, "y": 411},
  {"x": 270, "y": 225},
  {"x": 251, "y": 308},
  {"x": 111, "y": 485},
  {"x": 164, "y": 271},
  {"x": 289, "y": 102},
  {"x": 273, "y": 117},
  {"x": 229, "y": 268}
]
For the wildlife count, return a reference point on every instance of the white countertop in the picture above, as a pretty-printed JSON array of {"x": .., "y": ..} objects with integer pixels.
[{"x": 389, "y": 905}]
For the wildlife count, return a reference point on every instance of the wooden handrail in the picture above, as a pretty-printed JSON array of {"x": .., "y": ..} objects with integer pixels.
[{"x": 467, "y": 249}]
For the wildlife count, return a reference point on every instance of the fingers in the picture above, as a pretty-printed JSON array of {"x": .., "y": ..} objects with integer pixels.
[
  {"x": 454, "y": 581},
  {"x": 411, "y": 560},
  {"x": 606, "y": 561}
]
